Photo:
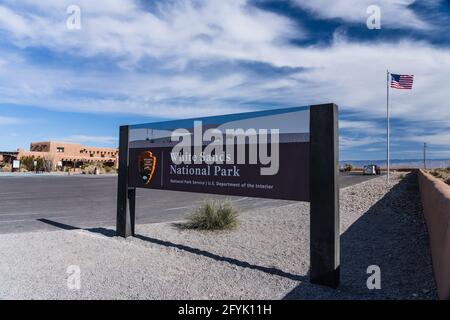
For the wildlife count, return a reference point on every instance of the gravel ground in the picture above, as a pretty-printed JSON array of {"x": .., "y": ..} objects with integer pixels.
[{"x": 267, "y": 257}]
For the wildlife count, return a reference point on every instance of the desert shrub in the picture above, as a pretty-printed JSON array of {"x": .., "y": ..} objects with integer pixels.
[
  {"x": 27, "y": 163},
  {"x": 347, "y": 167},
  {"x": 91, "y": 168},
  {"x": 6, "y": 167},
  {"x": 443, "y": 174},
  {"x": 47, "y": 165},
  {"x": 40, "y": 164},
  {"x": 433, "y": 173},
  {"x": 109, "y": 169},
  {"x": 213, "y": 216}
]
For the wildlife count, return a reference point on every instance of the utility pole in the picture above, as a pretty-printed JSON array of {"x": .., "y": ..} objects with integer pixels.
[{"x": 424, "y": 155}]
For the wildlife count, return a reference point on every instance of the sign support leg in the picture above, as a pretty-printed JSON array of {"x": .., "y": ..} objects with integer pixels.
[
  {"x": 324, "y": 196},
  {"x": 125, "y": 198},
  {"x": 132, "y": 208}
]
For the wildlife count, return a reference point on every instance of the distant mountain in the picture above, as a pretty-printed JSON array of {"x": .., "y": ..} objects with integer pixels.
[{"x": 401, "y": 163}]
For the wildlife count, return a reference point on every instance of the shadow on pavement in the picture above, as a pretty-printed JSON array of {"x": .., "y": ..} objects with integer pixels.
[
  {"x": 168, "y": 244},
  {"x": 103, "y": 231},
  {"x": 204, "y": 253},
  {"x": 392, "y": 235}
]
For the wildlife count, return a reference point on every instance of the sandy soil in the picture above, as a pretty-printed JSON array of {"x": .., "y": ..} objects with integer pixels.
[{"x": 267, "y": 257}]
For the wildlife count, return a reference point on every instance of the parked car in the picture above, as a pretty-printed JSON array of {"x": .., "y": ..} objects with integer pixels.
[
  {"x": 372, "y": 169},
  {"x": 377, "y": 170}
]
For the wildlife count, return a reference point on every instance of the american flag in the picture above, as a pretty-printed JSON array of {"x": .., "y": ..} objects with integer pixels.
[{"x": 400, "y": 81}]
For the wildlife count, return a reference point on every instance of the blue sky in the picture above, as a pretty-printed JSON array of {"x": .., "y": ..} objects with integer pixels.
[{"x": 140, "y": 61}]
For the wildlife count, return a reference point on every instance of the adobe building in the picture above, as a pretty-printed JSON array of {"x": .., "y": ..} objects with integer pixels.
[{"x": 72, "y": 155}]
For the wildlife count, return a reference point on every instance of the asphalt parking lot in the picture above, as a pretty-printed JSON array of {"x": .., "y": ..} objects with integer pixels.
[{"x": 90, "y": 201}]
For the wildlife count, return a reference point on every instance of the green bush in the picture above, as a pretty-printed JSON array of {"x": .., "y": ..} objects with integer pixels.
[
  {"x": 213, "y": 216},
  {"x": 40, "y": 164},
  {"x": 27, "y": 163}
]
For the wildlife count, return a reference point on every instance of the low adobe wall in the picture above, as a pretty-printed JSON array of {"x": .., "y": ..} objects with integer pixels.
[{"x": 435, "y": 196}]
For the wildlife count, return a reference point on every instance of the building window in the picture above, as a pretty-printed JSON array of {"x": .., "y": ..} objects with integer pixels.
[{"x": 60, "y": 149}]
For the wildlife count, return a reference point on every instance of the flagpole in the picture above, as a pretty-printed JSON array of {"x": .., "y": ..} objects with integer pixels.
[{"x": 387, "y": 131}]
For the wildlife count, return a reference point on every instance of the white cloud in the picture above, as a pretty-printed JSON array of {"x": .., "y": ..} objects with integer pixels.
[
  {"x": 442, "y": 139},
  {"x": 374, "y": 149},
  {"x": 394, "y": 13},
  {"x": 359, "y": 126},
  {"x": 352, "y": 75},
  {"x": 346, "y": 142},
  {"x": 440, "y": 154},
  {"x": 4, "y": 121},
  {"x": 13, "y": 22},
  {"x": 179, "y": 33},
  {"x": 22, "y": 83},
  {"x": 82, "y": 139},
  {"x": 123, "y": 29}
]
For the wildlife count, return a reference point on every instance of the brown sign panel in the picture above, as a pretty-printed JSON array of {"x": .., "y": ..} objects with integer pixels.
[
  {"x": 261, "y": 154},
  {"x": 153, "y": 168}
]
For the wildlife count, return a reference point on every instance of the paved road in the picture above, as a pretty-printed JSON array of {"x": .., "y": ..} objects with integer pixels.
[
  {"x": 349, "y": 179},
  {"x": 90, "y": 201}
]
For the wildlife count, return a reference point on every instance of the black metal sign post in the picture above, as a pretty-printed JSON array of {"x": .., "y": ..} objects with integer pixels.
[
  {"x": 324, "y": 196},
  {"x": 125, "y": 196},
  {"x": 321, "y": 167}
]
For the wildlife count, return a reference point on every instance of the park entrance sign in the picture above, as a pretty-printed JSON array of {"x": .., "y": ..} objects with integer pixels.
[
  {"x": 289, "y": 154},
  {"x": 259, "y": 154}
]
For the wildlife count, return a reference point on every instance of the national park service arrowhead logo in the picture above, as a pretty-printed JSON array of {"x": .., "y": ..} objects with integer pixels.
[{"x": 147, "y": 165}]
